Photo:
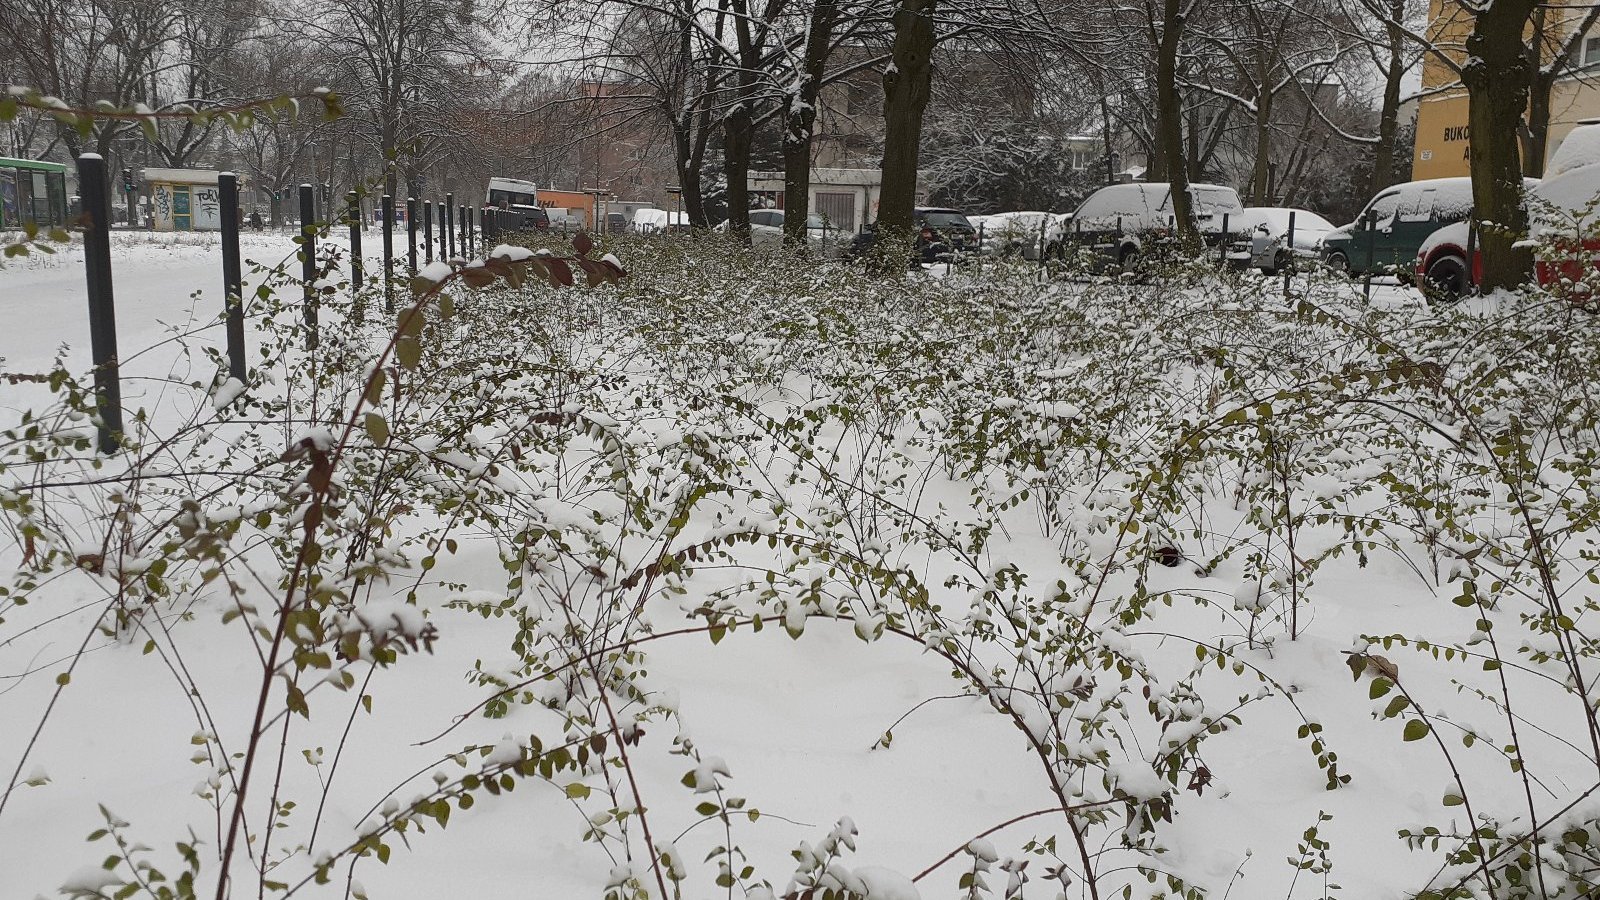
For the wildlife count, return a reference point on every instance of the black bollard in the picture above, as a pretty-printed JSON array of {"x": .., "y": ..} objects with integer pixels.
[
  {"x": 232, "y": 278},
  {"x": 411, "y": 234},
  {"x": 450, "y": 224},
  {"x": 386, "y": 209},
  {"x": 1288, "y": 267},
  {"x": 96, "y": 193},
  {"x": 427, "y": 231},
  {"x": 1366, "y": 282},
  {"x": 353, "y": 216},
  {"x": 308, "y": 261},
  {"x": 444, "y": 249}
]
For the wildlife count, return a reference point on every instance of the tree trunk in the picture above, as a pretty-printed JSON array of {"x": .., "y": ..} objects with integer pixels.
[
  {"x": 737, "y": 130},
  {"x": 1497, "y": 77},
  {"x": 799, "y": 122},
  {"x": 1539, "y": 124},
  {"x": 1169, "y": 123},
  {"x": 1261, "y": 178},
  {"x": 906, "y": 86},
  {"x": 1389, "y": 113},
  {"x": 738, "y": 126}
]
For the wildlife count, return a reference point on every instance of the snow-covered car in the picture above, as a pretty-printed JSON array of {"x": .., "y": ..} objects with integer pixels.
[
  {"x": 648, "y": 220},
  {"x": 1024, "y": 234},
  {"x": 1441, "y": 262},
  {"x": 1121, "y": 222},
  {"x": 1401, "y": 219},
  {"x": 1264, "y": 237},
  {"x": 766, "y": 232}
]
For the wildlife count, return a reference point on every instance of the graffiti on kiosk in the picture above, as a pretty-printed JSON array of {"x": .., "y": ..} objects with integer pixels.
[
  {"x": 163, "y": 200},
  {"x": 208, "y": 208}
]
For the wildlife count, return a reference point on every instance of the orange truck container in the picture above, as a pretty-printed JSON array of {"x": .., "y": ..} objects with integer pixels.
[{"x": 575, "y": 203}]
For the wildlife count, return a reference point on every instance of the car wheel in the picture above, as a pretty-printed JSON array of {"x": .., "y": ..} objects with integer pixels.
[
  {"x": 1338, "y": 262},
  {"x": 1128, "y": 258},
  {"x": 1447, "y": 279}
]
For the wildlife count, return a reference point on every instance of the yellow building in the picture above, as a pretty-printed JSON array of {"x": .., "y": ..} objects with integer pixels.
[{"x": 1442, "y": 133}]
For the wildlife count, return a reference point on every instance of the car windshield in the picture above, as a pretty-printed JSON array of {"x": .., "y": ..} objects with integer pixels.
[
  {"x": 938, "y": 218},
  {"x": 1217, "y": 200}
]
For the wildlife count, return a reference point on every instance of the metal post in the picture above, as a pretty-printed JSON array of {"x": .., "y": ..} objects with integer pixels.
[
  {"x": 386, "y": 204},
  {"x": 308, "y": 261},
  {"x": 353, "y": 216},
  {"x": 411, "y": 234},
  {"x": 1222, "y": 253},
  {"x": 1288, "y": 267},
  {"x": 1366, "y": 283},
  {"x": 444, "y": 250},
  {"x": 232, "y": 279},
  {"x": 1472, "y": 254},
  {"x": 450, "y": 223},
  {"x": 427, "y": 231},
  {"x": 93, "y": 186}
]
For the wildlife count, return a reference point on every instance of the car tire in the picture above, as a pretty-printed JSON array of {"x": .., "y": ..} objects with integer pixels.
[
  {"x": 1128, "y": 258},
  {"x": 1338, "y": 262},
  {"x": 1447, "y": 278}
]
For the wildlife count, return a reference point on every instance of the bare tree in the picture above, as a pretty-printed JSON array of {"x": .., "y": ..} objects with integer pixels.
[{"x": 401, "y": 66}]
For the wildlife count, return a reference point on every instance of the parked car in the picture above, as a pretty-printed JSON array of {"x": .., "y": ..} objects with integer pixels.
[
  {"x": 648, "y": 220},
  {"x": 766, "y": 231},
  {"x": 1121, "y": 222},
  {"x": 1402, "y": 217},
  {"x": 616, "y": 222},
  {"x": 1024, "y": 234},
  {"x": 1264, "y": 234},
  {"x": 942, "y": 235}
]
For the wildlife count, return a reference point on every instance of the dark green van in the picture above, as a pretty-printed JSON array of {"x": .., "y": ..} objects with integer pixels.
[{"x": 1402, "y": 218}]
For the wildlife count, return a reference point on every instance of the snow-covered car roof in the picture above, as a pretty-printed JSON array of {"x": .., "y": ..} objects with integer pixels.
[
  {"x": 1276, "y": 219},
  {"x": 1581, "y": 147}
]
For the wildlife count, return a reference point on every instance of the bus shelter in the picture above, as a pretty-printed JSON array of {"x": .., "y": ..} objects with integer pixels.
[{"x": 32, "y": 190}]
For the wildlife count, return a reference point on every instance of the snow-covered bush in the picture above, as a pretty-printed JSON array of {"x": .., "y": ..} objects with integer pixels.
[{"x": 1134, "y": 521}]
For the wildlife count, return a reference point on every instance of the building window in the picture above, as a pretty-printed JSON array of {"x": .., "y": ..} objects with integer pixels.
[{"x": 1591, "y": 51}]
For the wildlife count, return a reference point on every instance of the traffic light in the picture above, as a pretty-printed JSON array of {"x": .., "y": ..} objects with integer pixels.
[{"x": 127, "y": 181}]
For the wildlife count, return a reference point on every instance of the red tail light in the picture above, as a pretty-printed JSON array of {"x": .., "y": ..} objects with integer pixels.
[{"x": 927, "y": 233}]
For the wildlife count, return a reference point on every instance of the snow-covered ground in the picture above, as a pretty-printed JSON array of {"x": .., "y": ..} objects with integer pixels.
[{"x": 797, "y": 727}]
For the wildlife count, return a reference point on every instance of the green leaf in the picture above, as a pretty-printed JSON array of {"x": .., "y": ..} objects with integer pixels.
[
  {"x": 1453, "y": 800},
  {"x": 374, "y": 394},
  {"x": 1380, "y": 686},
  {"x": 1416, "y": 730},
  {"x": 408, "y": 351},
  {"x": 578, "y": 790},
  {"x": 377, "y": 429}
]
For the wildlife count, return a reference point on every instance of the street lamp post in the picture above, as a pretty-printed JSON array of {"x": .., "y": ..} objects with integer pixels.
[{"x": 597, "y": 196}]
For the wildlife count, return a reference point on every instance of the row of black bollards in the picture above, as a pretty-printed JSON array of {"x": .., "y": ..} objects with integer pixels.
[{"x": 462, "y": 231}]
